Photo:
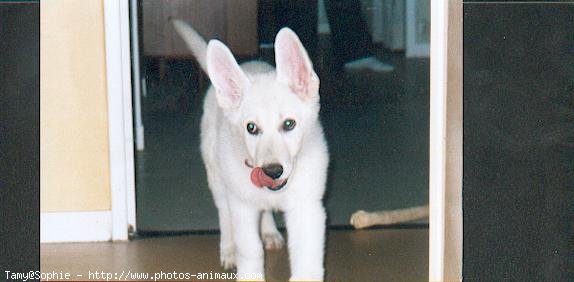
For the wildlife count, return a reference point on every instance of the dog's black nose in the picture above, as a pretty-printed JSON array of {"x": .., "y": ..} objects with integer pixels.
[{"x": 273, "y": 170}]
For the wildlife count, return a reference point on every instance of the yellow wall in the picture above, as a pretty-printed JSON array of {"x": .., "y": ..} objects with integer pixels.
[{"x": 74, "y": 163}]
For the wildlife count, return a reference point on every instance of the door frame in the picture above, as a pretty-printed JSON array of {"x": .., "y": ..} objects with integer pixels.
[
  {"x": 445, "y": 140},
  {"x": 120, "y": 121}
]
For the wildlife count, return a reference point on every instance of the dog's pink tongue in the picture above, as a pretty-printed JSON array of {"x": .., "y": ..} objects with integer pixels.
[{"x": 260, "y": 179}]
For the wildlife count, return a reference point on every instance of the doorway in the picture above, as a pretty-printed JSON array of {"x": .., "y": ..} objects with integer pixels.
[{"x": 376, "y": 121}]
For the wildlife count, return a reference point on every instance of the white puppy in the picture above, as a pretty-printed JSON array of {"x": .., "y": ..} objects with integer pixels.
[{"x": 264, "y": 150}]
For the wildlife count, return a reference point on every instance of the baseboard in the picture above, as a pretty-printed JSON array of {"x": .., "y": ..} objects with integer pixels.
[{"x": 90, "y": 226}]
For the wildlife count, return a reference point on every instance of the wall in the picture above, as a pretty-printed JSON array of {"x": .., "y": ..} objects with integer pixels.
[
  {"x": 232, "y": 21},
  {"x": 74, "y": 165}
]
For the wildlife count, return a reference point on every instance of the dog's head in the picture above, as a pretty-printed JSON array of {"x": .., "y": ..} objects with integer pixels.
[{"x": 271, "y": 112}]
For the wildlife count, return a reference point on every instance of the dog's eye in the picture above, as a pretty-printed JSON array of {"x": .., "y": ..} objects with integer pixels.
[
  {"x": 289, "y": 124},
  {"x": 252, "y": 128}
]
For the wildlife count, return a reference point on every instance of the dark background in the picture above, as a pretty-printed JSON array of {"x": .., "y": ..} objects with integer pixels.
[
  {"x": 20, "y": 137},
  {"x": 518, "y": 190}
]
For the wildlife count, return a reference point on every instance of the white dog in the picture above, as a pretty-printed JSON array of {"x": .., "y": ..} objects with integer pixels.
[{"x": 264, "y": 150}]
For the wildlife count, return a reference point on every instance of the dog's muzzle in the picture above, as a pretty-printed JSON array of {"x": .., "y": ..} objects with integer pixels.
[
  {"x": 267, "y": 176},
  {"x": 279, "y": 187}
]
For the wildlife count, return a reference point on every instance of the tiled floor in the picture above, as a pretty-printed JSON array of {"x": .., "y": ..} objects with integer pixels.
[{"x": 366, "y": 255}]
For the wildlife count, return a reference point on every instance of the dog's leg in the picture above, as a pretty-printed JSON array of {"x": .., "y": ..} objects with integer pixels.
[
  {"x": 249, "y": 255},
  {"x": 306, "y": 231},
  {"x": 226, "y": 245},
  {"x": 271, "y": 237}
]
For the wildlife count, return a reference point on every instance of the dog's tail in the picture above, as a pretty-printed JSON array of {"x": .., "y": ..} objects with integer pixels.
[
  {"x": 362, "y": 219},
  {"x": 194, "y": 41}
]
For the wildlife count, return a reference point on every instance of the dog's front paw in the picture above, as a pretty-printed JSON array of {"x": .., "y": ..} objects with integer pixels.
[
  {"x": 227, "y": 257},
  {"x": 273, "y": 241},
  {"x": 360, "y": 219}
]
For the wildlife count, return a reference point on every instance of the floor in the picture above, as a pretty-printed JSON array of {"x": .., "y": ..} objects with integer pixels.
[
  {"x": 376, "y": 125},
  {"x": 366, "y": 255}
]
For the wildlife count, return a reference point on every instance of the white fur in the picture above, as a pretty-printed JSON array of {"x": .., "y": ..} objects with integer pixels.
[{"x": 256, "y": 92}]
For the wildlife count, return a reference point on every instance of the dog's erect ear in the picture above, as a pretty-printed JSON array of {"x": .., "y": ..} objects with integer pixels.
[
  {"x": 294, "y": 66},
  {"x": 227, "y": 77}
]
